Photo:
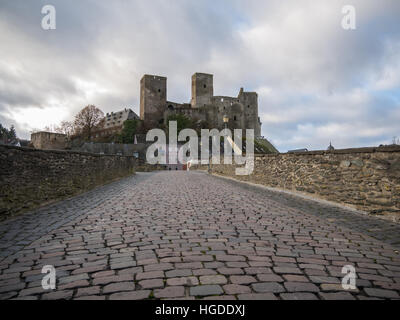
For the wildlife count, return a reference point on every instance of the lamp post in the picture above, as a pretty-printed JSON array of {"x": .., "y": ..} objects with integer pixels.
[{"x": 225, "y": 119}]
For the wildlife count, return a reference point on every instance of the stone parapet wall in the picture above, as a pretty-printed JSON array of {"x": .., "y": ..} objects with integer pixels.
[
  {"x": 114, "y": 148},
  {"x": 367, "y": 179},
  {"x": 30, "y": 178}
]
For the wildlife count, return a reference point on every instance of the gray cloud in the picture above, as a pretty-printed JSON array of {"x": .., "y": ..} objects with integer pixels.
[{"x": 316, "y": 81}]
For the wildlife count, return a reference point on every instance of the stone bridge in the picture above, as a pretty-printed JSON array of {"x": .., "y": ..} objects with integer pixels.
[{"x": 189, "y": 235}]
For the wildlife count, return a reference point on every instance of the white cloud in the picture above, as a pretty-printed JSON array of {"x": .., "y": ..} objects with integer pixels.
[
  {"x": 316, "y": 81},
  {"x": 33, "y": 118}
]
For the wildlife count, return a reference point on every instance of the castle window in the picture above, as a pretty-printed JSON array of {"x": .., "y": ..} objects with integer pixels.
[
  {"x": 248, "y": 106},
  {"x": 235, "y": 118},
  {"x": 159, "y": 90},
  {"x": 205, "y": 86}
]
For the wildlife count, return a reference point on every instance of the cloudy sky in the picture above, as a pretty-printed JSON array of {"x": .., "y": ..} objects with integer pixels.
[{"x": 316, "y": 81}]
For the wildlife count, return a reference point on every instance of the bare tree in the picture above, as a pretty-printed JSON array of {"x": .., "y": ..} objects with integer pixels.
[
  {"x": 35, "y": 130},
  {"x": 50, "y": 128},
  {"x": 88, "y": 119},
  {"x": 66, "y": 127}
]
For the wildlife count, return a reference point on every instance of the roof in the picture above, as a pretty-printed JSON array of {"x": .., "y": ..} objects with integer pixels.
[
  {"x": 48, "y": 132},
  {"x": 116, "y": 119}
]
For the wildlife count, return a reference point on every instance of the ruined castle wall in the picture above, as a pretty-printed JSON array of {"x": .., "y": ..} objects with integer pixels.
[
  {"x": 153, "y": 98},
  {"x": 29, "y": 177},
  {"x": 367, "y": 178},
  {"x": 202, "y": 89},
  {"x": 195, "y": 114},
  {"x": 224, "y": 106},
  {"x": 250, "y": 111},
  {"x": 49, "y": 140},
  {"x": 242, "y": 111}
]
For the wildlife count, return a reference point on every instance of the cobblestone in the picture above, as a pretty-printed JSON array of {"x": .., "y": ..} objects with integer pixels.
[
  {"x": 134, "y": 295},
  {"x": 179, "y": 235},
  {"x": 213, "y": 279},
  {"x": 206, "y": 290},
  {"x": 298, "y": 296},
  {"x": 170, "y": 292},
  {"x": 268, "y": 287}
]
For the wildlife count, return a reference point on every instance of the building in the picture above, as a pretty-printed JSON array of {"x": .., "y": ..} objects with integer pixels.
[
  {"x": 48, "y": 140},
  {"x": 113, "y": 122},
  {"x": 241, "y": 112},
  {"x": 117, "y": 119}
]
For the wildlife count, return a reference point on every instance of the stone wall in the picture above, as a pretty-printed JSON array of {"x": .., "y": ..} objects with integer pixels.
[
  {"x": 48, "y": 140},
  {"x": 366, "y": 178},
  {"x": 30, "y": 178},
  {"x": 114, "y": 149}
]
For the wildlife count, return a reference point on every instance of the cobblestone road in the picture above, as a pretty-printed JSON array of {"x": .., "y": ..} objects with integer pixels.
[{"x": 185, "y": 235}]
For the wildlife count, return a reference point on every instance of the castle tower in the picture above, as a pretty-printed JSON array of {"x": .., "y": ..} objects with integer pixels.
[
  {"x": 202, "y": 89},
  {"x": 153, "y": 98},
  {"x": 249, "y": 100}
]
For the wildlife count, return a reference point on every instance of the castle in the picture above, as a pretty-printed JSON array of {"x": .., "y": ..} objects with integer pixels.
[
  {"x": 240, "y": 112},
  {"x": 218, "y": 112}
]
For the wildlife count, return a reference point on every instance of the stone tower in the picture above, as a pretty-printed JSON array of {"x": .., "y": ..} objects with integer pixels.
[
  {"x": 249, "y": 100},
  {"x": 153, "y": 99},
  {"x": 202, "y": 89}
]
